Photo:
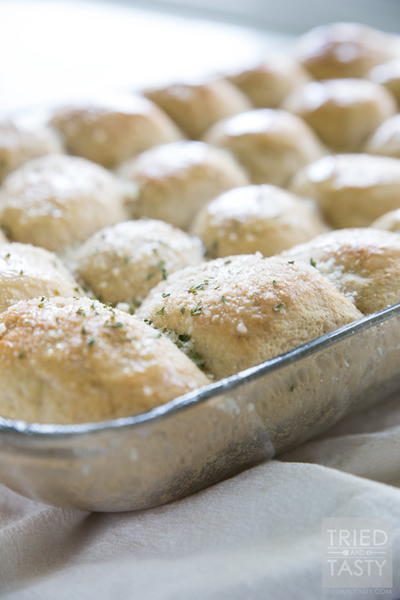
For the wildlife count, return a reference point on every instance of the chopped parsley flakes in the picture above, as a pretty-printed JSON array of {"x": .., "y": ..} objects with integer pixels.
[
  {"x": 278, "y": 307},
  {"x": 197, "y": 310}
]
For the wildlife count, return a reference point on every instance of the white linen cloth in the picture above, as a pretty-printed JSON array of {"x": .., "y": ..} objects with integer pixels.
[{"x": 255, "y": 536}]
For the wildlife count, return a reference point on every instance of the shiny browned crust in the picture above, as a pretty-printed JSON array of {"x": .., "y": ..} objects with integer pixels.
[
  {"x": 72, "y": 361},
  {"x": 197, "y": 106},
  {"x": 352, "y": 190},
  {"x": 19, "y": 143},
  {"x": 268, "y": 83},
  {"x": 257, "y": 218},
  {"x": 364, "y": 264},
  {"x": 343, "y": 50},
  {"x": 28, "y": 272},
  {"x": 174, "y": 181},
  {"x": 57, "y": 201},
  {"x": 124, "y": 262},
  {"x": 342, "y": 112},
  {"x": 242, "y": 310},
  {"x": 272, "y": 145},
  {"x": 112, "y": 130}
]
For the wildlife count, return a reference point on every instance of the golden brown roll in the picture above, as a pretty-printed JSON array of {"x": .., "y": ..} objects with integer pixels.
[
  {"x": 240, "y": 311},
  {"x": 29, "y": 272},
  {"x": 57, "y": 201},
  {"x": 389, "y": 221},
  {"x": 19, "y": 143},
  {"x": 72, "y": 361},
  {"x": 388, "y": 75},
  {"x": 364, "y": 264},
  {"x": 267, "y": 84},
  {"x": 343, "y": 112},
  {"x": 343, "y": 50},
  {"x": 197, "y": 106},
  {"x": 123, "y": 262},
  {"x": 272, "y": 145},
  {"x": 352, "y": 190},
  {"x": 113, "y": 129},
  {"x": 386, "y": 139},
  {"x": 175, "y": 181},
  {"x": 261, "y": 218}
]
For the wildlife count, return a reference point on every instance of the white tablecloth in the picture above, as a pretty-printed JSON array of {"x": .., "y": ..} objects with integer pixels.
[{"x": 255, "y": 536}]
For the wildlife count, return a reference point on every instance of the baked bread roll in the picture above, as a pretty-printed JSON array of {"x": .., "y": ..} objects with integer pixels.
[
  {"x": 388, "y": 75},
  {"x": 343, "y": 112},
  {"x": 267, "y": 84},
  {"x": 255, "y": 218},
  {"x": 29, "y": 272},
  {"x": 352, "y": 190},
  {"x": 113, "y": 129},
  {"x": 123, "y": 262},
  {"x": 175, "y": 181},
  {"x": 364, "y": 264},
  {"x": 343, "y": 50},
  {"x": 72, "y": 361},
  {"x": 272, "y": 145},
  {"x": 19, "y": 143},
  {"x": 389, "y": 221},
  {"x": 241, "y": 311},
  {"x": 386, "y": 139},
  {"x": 57, "y": 201},
  {"x": 197, "y": 106}
]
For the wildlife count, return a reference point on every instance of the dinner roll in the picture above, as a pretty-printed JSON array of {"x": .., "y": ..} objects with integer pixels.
[
  {"x": 72, "y": 361},
  {"x": 57, "y": 201},
  {"x": 240, "y": 311},
  {"x": 175, "y": 181},
  {"x": 270, "y": 144},
  {"x": 343, "y": 112},
  {"x": 343, "y": 50},
  {"x": 255, "y": 218},
  {"x": 351, "y": 189},
  {"x": 123, "y": 262},
  {"x": 386, "y": 139},
  {"x": 28, "y": 272},
  {"x": 389, "y": 221},
  {"x": 267, "y": 84},
  {"x": 364, "y": 264},
  {"x": 113, "y": 129},
  {"x": 388, "y": 75},
  {"x": 19, "y": 143},
  {"x": 197, "y": 106}
]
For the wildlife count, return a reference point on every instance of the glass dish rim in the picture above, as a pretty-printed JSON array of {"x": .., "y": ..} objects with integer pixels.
[{"x": 53, "y": 431}]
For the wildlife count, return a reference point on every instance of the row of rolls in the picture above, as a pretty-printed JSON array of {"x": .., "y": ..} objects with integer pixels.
[{"x": 154, "y": 243}]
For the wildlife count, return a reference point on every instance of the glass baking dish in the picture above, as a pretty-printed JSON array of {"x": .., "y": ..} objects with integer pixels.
[
  {"x": 210, "y": 434},
  {"x": 216, "y": 432}
]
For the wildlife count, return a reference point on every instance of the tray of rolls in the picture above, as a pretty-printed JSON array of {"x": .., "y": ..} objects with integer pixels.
[{"x": 199, "y": 276}]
